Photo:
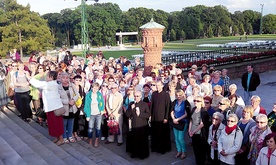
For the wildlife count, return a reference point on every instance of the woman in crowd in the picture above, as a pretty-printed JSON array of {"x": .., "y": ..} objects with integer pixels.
[
  {"x": 235, "y": 108},
  {"x": 93, "y": 109},
  {"x": 21, "y": 84},
  {"x": 79, "y": 113},
  {"x": 88, "y": 82},
  {"x": 180, "y": 110},
  {"x": 52, "y": 101},
  {"x": 258, "y": 109},
  {"x": 4, "y": 99},
  {"x": 206, "y": 87},
  {"x": 216, "y": 97},
  {"x": 230, "y": 141},
  {"x": 198, "y": 130},
  {"x": 172, "y": 90},
  {"x": 214, "y": 134},
  {"x": 224, "y": 108},
  {"x": 232, "y": 90},
  {"x": 69, "y": 96},
  {"x": 216, "y": 80},
  {"x": 245, "y": 124},
  {"x": 257, "y": 136},
  {"x": 36, "y": 94},
  {"x": 146, "y": 95},
  {"x": 267, "y": 155},
  {"x": 195, "y": 93},
  {"x": 139, "y": 112},
  {"x": 272, "y": 119},
  {"x": 104, "y": 128}
]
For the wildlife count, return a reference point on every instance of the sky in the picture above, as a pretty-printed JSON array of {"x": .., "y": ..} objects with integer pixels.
[{"x": 52, "y": 6}]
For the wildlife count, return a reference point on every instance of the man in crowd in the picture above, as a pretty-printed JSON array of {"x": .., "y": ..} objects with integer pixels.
[{"x": 250, "y": 81}]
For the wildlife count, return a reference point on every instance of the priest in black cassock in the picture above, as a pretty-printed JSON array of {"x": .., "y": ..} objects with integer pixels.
[
  {"x": 160, "y": 128},
  {"x": 137, "y": 138}
]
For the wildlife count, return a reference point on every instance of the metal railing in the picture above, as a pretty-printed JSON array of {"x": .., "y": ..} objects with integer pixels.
[{"x": 219, "y": 57}]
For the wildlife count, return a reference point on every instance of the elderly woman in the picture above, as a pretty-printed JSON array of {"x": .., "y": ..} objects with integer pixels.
[
  {"x": 93, "y": 109},
  {"x": 172, "y": 90},
  {"x": 195, "y": 93},
  {"x": 217, "y": 80},
  {"x": 214, "y": 134},
  {"x": 206, "y": 87},
  {"x": 267, "y": 155},
  {"x": 216, "y": 97},
  {"x": 230, "y": 141},
  {"x": 235, "y": 108},
  {"x": 224, "y": 108},
  {"x": 245, "y": 124},
  {"x": 20, "y": 80},
  {"x": 180, "y": 110},
  {"x": 257, "y": 136},
  {"x": 198, "y": 130},
  {"x": 255, "y": 102},
  {"x": 52, "y": 101},
  {"x": 272, "y": 119},
  {"x": 69, "y": 96},
  {"x": 232, "y": 90}
]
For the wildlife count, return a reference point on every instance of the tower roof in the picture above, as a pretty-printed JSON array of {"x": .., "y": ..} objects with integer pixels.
[{"x": 152, "y": 25}]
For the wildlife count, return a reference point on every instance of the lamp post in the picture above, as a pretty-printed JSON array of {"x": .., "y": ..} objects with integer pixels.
[
  {"x": 261, "y": 21},
  {"x": 84, "y": 29}
]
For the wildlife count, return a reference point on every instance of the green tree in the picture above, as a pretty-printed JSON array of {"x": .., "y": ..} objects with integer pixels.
[
  {"x": 23, "y": 29},
  {"x": 173, "y": 35},
  {"x": 269, "y": 24}
]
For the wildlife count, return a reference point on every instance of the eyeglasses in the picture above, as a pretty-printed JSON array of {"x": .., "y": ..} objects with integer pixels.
[
  {"x": 206, "y": 102},
  {"x": 104, "y": 85},
  {"x": 152, "y": 84},
  {"x": 261, "y": 122},
  {"x": 136, "y": 96},
  {"x": 14, "y": 65},
  {"x": 215, "y": 118},
  {"x": 114, "y": 88},
  {"x": 221, "y": 103},
  {"x": 231, "y": 121},
  {"x": 197, "y": 101}
]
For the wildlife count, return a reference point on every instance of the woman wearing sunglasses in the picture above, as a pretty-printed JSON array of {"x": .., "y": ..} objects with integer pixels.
[
  {"x": 198, "y": 130},
  {"x": 257, "y": 137},
  {"x": 214, "y": 134},
  {"x": 230, "y": 141}
]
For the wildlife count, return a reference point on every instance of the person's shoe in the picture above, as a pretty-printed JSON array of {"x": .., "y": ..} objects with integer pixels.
[
  {"x": 60, "y": 143},
  {"x": 183, "y": 155},
  {"x": 72, "y": 140},
  {"x": 177, "y": 155},
  {"x": 102, "y": 138},
  {"x": 119, "y": 144},
  {"x": 66, "y": 141},
  {"x": 96, "y": 143},
  {"x": 107, "y": 142},
  {"x": 28, "y": 120}
]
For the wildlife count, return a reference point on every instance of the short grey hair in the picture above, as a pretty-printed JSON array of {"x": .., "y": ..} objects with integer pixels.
[
  {"x": 233, "y": 116},
  {"x": 261, "y": 116},
  {"x": 219, "y": 115}
]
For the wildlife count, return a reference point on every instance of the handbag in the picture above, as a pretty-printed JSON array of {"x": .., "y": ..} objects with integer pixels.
[
  {"x": 10, "y": 92},
  {"x": 60, "y": 111},
  {"x": 113, "y": 126},
  {"x": 179, "y": 126},
  {"x": 79, "y": 100}
]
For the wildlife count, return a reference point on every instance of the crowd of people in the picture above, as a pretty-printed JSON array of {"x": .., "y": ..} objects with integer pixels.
[{"x": 225, "y": 128}]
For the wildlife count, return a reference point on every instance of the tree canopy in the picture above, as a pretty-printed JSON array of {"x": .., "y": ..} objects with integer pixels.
[{"x": 20, "y": 28}]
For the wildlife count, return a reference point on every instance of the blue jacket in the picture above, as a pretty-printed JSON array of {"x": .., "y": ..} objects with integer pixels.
[{"x": 88, "y": 100}]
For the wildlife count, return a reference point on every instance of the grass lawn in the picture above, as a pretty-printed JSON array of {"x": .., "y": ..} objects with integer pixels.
[{"x": 187, "y": 45}]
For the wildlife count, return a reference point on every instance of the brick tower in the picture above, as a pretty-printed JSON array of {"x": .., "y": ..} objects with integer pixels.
[{"x": 152, "y": 44}]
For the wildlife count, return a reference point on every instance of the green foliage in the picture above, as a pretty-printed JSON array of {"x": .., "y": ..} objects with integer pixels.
[
  {"x": 269, "y": 24},
  {"x": 22, "y": 29}
]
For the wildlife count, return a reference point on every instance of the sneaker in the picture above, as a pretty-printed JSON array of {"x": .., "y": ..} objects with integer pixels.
[{"x": 102, "y": 138}]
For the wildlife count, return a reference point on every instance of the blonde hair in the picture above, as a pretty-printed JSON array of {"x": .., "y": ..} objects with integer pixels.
[
  {"x": 256, "y": 97},
  {"x": 225, "y": 101},
  {"x": 249, "y": 109},
  {"x": 181, "y": 92},
  {"x": 217, "y": 87},
  {"x": 201, "y": 99}
]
